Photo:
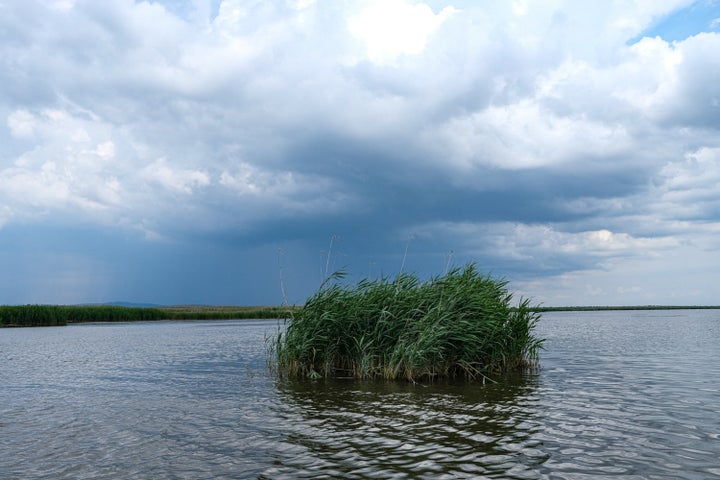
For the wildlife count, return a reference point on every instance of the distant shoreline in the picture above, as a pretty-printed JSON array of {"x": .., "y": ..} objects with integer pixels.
[
  {"x": 592, "y": 308},
  {"x": 60, "y": 315}
]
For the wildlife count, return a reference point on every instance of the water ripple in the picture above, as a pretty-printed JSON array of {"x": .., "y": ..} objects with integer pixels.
[{"x": 627, "y": 398}]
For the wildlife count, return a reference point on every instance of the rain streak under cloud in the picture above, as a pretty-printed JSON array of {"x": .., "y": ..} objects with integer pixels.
[{"x": 193, "y": 151}]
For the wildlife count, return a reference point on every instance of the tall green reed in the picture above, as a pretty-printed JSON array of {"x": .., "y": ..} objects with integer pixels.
[{"x": 461, "y": 324}]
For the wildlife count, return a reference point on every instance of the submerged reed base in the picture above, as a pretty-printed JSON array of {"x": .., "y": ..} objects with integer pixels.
[{"x": 460, "y": 325}]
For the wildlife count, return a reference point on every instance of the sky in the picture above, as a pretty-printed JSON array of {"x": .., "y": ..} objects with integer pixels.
[{"x": 237, "y": 151}]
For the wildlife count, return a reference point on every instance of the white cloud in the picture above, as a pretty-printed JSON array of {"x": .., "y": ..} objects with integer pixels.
[
  {"x": 63, "y": 5},
  {"x": 67, "y": 167},
  {"x": 524, "y": 135},
  {"x": 519, "y": 7},
  {"x": 638, "y": 85},
  {"x": 250, "y": 180},
  {"x": 699, "y": 170},
  {"x": 21, "y": 123},
  {"x": 105, "y": 150},
  {"x": 688, "y": 188},
  {"x": 537, "y": 243},
  {"x": 179, "y": 180},
  {"x": 285, "y": 192},
  {"x": 302, "y": 4},
  {"x": 392, "y": 28},
  {"x": 634, "y": 281},
  {"x": 77, "y": 167},
  {"x": 41, "y": 189}
]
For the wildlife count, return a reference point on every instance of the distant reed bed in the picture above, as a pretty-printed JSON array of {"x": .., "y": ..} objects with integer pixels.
[
  {"x": 213, "y": 312},
  {"x": 460, "y": 325},
  {"x": 30, "y": 316},
  {"x": 58, "y": 315}
]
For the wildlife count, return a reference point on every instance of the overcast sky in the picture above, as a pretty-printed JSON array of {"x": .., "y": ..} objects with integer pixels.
[{"x": 199, "y": 151}]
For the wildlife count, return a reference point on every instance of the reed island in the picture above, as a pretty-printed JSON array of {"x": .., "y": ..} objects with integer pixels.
[{"x": 459, "y": 325}]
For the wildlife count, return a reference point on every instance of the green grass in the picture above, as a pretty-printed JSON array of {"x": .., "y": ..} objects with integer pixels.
[
  {"x": 58, "y": 315},
  {"x": 459, "y": 325}
]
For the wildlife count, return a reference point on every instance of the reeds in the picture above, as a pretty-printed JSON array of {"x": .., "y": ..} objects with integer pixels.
[
  {"x": 30, "y": 316},
  {"x": 459, "y": 325},
  {"x": 57, "y": 315}
]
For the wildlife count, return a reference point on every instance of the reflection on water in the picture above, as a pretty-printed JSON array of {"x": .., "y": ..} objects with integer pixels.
[
  {"x": 629, "y": 395},
  {"x": 355, "y": 429}
]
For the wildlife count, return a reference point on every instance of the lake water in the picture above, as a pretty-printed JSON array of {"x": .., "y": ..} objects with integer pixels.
[{"x": 627, "y": 395}]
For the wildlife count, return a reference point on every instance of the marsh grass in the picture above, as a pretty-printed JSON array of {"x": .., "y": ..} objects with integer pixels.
[
  {"x": 459, "y": 325},
  {"x": 58, "y": 315},
  {"x": 30, "y": 316}
]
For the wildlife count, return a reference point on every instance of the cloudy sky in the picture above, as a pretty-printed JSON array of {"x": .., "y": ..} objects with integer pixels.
[{"x": 198, "y": 151}]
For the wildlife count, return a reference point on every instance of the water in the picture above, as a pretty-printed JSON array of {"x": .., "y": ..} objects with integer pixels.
[{"x": 628, "y": 395}]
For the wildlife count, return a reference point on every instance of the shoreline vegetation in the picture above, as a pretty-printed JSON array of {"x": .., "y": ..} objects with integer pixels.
[
  {"x": 60, "y": 315},
  {"x": 595, "y": 308},
  {"x": 459, "y": 325}
]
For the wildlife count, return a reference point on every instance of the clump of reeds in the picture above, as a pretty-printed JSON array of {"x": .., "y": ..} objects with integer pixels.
[{"x": 461, "y": 324}]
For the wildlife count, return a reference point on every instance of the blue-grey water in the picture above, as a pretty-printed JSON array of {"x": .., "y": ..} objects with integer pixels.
[{"x": 628, "y": 395}]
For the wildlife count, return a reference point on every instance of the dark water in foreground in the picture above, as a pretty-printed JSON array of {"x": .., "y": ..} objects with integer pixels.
[{"x": 630, "y": 395}]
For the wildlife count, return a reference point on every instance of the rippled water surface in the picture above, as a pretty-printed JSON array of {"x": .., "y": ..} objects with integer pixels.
[{"x": 628, "y": 395}]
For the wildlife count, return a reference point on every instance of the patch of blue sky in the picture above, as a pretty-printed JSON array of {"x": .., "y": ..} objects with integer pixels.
[{"x": 701, "y": 16}]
